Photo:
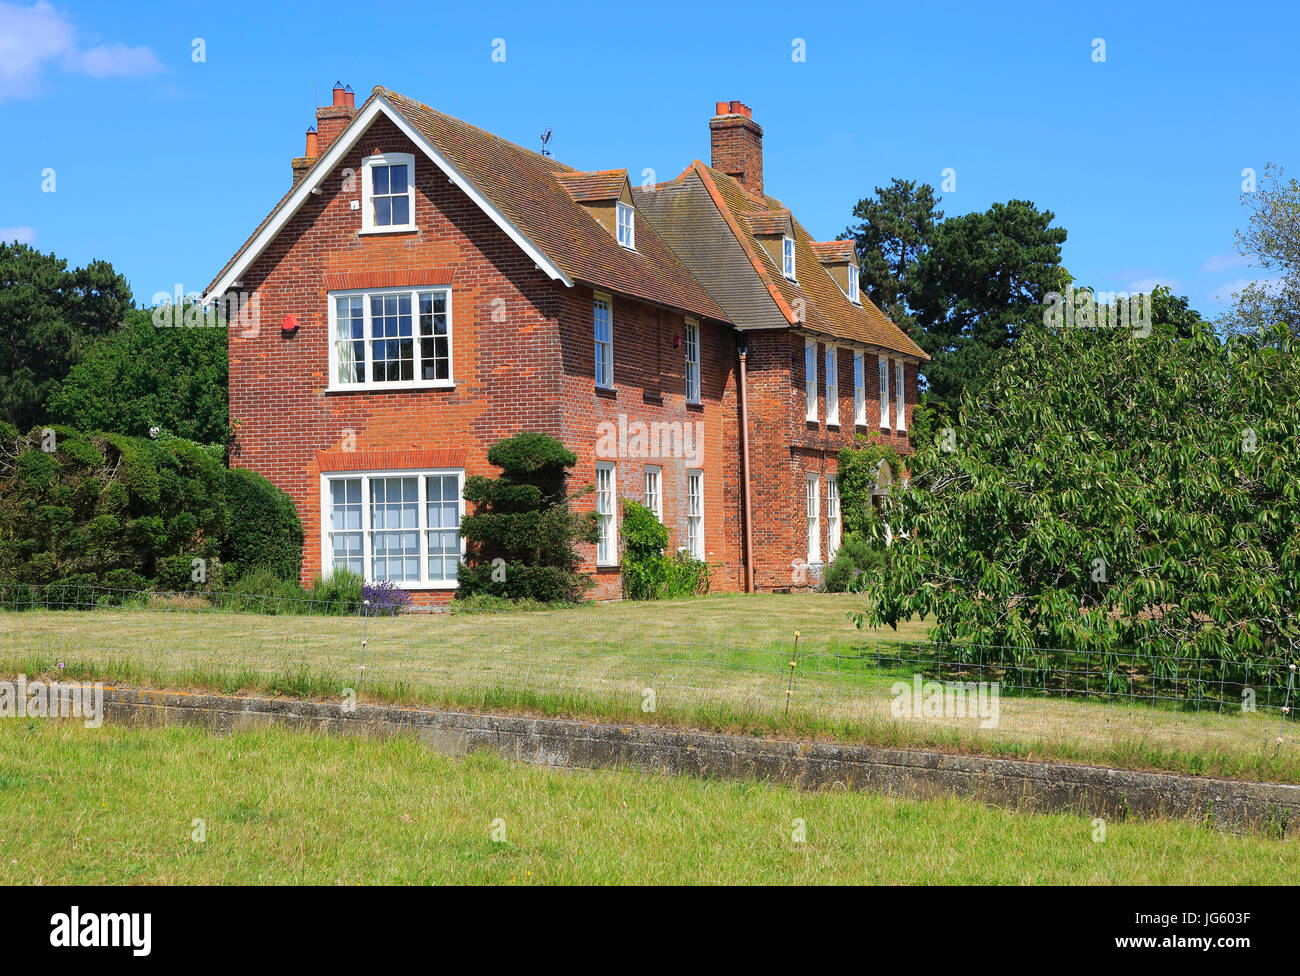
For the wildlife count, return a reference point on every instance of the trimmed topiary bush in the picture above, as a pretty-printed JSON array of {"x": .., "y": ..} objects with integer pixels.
[{"x": 519, "y": 541}]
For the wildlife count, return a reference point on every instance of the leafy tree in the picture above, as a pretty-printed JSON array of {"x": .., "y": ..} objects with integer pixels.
[
  {"x": 894, "y": 228},
  {"x": 48, "y": 314},
  {"x": 983, "y": 277},
  {"x": 1272, "y": 238},
  {"x": 1105, "y": 491},
  {"x": 519, "y": 541},
  {"x": 143, "y": 376}
]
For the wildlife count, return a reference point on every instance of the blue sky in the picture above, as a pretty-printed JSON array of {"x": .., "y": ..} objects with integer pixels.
[{"x": 163, "y": 164}]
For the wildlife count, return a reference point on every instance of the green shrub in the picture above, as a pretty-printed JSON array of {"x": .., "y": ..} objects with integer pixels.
[
  {"x": 645, "y": 571},
  {"x": 338, "y": 593},
  {"x": 86, "y": 510},
  {"x": 649, "y": 574},
  {"x": 519, "y": 541},
  {"x": 855, "y": 557},
  {"x": 263, "y": 528}
]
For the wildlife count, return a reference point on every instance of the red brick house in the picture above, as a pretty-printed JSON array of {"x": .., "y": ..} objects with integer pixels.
[{"x": 426, "y": 288}]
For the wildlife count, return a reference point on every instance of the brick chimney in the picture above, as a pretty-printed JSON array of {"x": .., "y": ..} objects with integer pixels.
[
  {"x": 330, "y": 121},
  {"x": 333, "y": 119},
  {"x": 737, "y": 145}
]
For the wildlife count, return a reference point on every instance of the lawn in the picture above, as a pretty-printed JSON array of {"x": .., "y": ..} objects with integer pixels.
[
  {"x": 118, "y": 805},
  {"x": 720, "y": 662}
]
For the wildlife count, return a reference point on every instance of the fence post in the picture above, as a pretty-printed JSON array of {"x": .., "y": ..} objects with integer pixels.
[{"x": 794, "y": 663}]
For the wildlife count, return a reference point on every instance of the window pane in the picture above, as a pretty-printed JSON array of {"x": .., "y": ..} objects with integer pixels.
[
  {"x": 397, "y": 178},
  {"x": 381, "y": 178},
  {"x": 393, "y": 507},
  {"x": 383, "y": 211},
  {"x": 401, "y": 210}
]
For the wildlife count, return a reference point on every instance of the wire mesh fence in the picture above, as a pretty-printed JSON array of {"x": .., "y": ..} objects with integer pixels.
[{"x": 641, "y": 660}]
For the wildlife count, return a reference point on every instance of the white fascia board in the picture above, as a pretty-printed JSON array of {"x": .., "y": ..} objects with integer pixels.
[{"x": 341, "y": 147}]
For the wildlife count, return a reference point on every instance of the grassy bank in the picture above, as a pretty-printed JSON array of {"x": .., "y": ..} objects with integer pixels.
[
  {"x": 719, "y": 663},
  {"x": 118, "y": 806}
]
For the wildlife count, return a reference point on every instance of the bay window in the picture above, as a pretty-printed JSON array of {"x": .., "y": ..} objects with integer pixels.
[
  {"x": 400, "y": 526},
  {"x": 390, "y": 338}
]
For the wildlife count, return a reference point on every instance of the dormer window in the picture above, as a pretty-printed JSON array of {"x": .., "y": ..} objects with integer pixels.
[
  {"x": 787, "y": 257},
  {"x": 626, "y": 226},
  {"x": 388, "y": 193},
  {"x": 853, "y": 286}
]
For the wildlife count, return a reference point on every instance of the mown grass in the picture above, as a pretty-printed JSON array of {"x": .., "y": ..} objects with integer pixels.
[
  {"x": 718, "y": 663},
  {"x": 118, "y": 805}
]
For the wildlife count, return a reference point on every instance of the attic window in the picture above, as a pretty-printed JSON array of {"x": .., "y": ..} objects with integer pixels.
[
  {"x": 787, "y": 257},
  {"x": 626, "y": 226},
  {"x": 853, "y": 285},
  {"x": 388, "y": 193}
]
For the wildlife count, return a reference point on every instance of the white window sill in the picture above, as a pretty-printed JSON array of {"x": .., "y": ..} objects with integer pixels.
[
  {"x": 404, "y": 229},
  {"x": 605, "y": 388},
  {"x": 607, "y": 565},
  {"x": 391, "y": 387},
  {"x": 417, "y": 586}
]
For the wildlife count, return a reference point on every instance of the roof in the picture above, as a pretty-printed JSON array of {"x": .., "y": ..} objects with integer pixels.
[
  {"x": 725, "y": 256},
  {"x": 526, "y": 195},
  {"x": 687, "y": 218},
  {"x": 695, "y": 241},
  {"x": 835, "y": 252},
  {"x": 771, "y": 222},
  {"x": 595, "y": 187}
]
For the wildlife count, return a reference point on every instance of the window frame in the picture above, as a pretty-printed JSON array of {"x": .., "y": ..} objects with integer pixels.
[
  {"x": 834, "y": 526},
  {"x": 855, "y": 294},
  {"x": 812, "y": 516},
  {"x": 654, "y": 472},
  {"x": 621, "y": 208},
  {"x": 695, "y": 518},
  {"x": 691, "y": 343},
  {"x": 334, "y": 385},
  {"x": 606, "y": 382},
  {"x": 883, "y": 364},
  {"x": 611, "y": 556},
  {"x": 368, "y": 225},
  {"x": 859, "y": 388},
  {"x": 422, "y": 529},
  {"x": 810, "y": 379},
  {"x": 900, "y": 397},
  {"x": 788, "y": 268},
  {"x": 832, "y": 367}
]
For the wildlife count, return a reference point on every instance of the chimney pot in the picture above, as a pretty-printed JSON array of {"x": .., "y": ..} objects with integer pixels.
[
  {"x": 722, "y": 108},
  {"x": 340, "y": 94},
  {"x": 313, "y": 143}
]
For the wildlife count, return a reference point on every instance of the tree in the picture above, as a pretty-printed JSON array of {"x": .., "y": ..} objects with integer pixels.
[
  {"x": 143, "y": 376},
  {"x": 894, "y": 228},
  {"x": 519, "y": 541},
  {"x": 48, "y": 314},
  {"x": 1106, "y": 491},
  {"x": 982, "y": 278},
  {"x": 1272, "y": 238}
]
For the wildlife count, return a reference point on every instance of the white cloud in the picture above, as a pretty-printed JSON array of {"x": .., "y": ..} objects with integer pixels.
[
  {"x": 1143, "y": 285},
  {"x": 1217, "y": 263},
  {"x": 23, "y": 235},
  {"x": 117, "y": 61},
  {"x": 1223, "y": 293},
  {"x": 32, "y": 37}
]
